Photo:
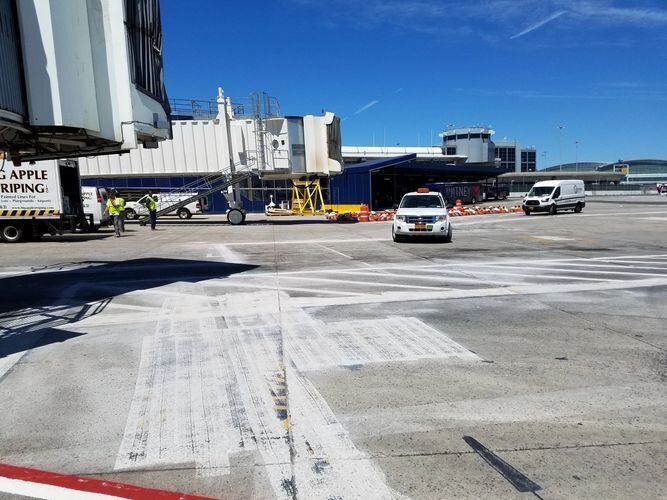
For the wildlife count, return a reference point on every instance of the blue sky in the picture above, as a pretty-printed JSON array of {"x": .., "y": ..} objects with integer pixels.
[{"x": 398, "y": 71}]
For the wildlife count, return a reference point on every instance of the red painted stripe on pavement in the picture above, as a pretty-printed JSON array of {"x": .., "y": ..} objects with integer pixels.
[{"x": 91, "y": 485}]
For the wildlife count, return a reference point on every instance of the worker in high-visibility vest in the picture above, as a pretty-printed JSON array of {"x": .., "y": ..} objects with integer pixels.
[
  {"x": 121, "y": 214},
  {"x": 113, "y": 209},
  {"x": 152, "y": 209}
]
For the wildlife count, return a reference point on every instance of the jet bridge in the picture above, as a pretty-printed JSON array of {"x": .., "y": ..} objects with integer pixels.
[{"x": 225, "y": 142}]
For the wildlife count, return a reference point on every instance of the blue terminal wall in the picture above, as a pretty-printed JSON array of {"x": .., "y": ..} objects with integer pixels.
[
  {"x": 355, "y": 184},
  {"x": 350, "y": 188}
]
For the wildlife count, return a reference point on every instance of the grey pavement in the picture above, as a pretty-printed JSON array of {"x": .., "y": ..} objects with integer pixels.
[{"x": 296, "y": 358}]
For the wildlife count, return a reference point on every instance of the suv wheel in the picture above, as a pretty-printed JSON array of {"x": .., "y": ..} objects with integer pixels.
[
  {"x": 130, "y": 214},
  {"x": 448, "y": 238}
]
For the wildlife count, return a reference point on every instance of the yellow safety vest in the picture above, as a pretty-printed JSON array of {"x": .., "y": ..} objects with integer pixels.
[
  {"x": 121, "y": 204},
  {"x": 113, "y": 206},
  {"x": 151, "y": 203}
]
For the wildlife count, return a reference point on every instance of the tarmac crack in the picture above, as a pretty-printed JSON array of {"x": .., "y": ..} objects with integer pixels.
[
  {"x": 518, "y": 450},
  {"x": 377, "y": 456},
  {"x": 289, "y": 485},
  {"x": 605, "y": 326}
]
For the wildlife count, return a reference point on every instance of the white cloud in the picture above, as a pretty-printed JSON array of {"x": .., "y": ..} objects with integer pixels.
[
  {"x": 606, "y": 11},
  {"x": 539, "y": 24},
  {"x": 486, "y": 20},
  {"x": 366, "y": 107}
]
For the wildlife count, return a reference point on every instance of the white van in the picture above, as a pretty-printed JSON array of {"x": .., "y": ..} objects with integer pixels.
[
  {"x": 554, "y": 196},
  {"x": 95, "y": 202}
]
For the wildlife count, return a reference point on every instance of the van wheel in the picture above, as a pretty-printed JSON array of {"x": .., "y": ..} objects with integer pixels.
[
  {"x": 12, "y": 233},
  {"x": 130, "y": 214},
  {"x": 183, "y": 213},
  {"x": 577, "y": 209},
  {"x": 552, "y": 210}
]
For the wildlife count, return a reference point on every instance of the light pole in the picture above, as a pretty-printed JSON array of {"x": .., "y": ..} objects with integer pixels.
[
  {"x": 576, "y": 146},
  {"x": 560, "y": 146}
]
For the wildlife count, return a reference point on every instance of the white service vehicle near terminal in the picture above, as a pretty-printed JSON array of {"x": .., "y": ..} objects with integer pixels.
[
  {"x": 95, "y": 203},
  {"x": 422, "y": 213},
  {"x": 39, "y": 198},
  {"x": 135, "y": 209},
  {"x": 553, "y": 196}
]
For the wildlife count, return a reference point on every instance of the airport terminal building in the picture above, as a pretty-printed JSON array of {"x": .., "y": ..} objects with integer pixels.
[{"x": 378, "y": 176}]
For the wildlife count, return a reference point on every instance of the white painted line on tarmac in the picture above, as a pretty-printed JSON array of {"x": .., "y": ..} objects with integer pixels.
[
  {"x": 482, "y": 270},
  {"x": 214, "y": 387},
  {"x": 527, "y": 289},
  {"x": 315, "y": 345},
  {"x": 48, "y": 491},
  {"x": 575, "y": 261},
  {"x": 553, "y": 238},
  {"x": 597, "y": 266},
  {"x": 660, "y": 256},
  {"x": 8, "y": 362},
  {"x": 302, "y": 242},
  {"x": 356, "y": 282},
  {"x": 457, "y": 221},
  {"x": 631, "y": 261},
  {"x": 129, "y": 307},
  {"x": 202, "y": 395},
  {"x": 427, "y": 277},
  {"x": 235, "y": 284},
  {"x": 229, "y": 255},
  {"x": 328, "y": 465},
  {"x": 334, "y": 251}
]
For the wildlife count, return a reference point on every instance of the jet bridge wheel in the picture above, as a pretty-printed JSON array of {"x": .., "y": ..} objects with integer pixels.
[{"x": 235, "y": 217}]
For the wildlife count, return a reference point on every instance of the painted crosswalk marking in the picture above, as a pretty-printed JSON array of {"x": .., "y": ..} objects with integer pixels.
[{"x": 213, "y": 387}]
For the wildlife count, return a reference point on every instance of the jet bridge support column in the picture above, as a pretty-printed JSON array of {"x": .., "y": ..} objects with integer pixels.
[{"x": 235, "y": 215}]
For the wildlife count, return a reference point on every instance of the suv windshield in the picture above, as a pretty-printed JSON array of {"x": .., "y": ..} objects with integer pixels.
[
  {"x": 540, "y": 190},
  {"x": 421, "y": 201}
]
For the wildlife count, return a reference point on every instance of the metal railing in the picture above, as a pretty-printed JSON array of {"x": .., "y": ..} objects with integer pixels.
[
  {"x": 200, "y": 188},
  {"x": 258, "y": 105}
]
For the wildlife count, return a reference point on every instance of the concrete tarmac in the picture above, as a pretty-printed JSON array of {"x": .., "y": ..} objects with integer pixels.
[{"x": 296, "y": 358}]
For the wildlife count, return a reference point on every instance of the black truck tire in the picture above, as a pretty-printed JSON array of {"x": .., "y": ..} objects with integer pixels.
[{"x": 12, "y": 232}]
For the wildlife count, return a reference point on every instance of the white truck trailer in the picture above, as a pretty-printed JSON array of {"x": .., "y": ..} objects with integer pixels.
[{"x": 39, "y": 198}]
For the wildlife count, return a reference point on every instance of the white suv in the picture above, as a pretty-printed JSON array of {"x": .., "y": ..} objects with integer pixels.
[{"x": 422, "y": 213}]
